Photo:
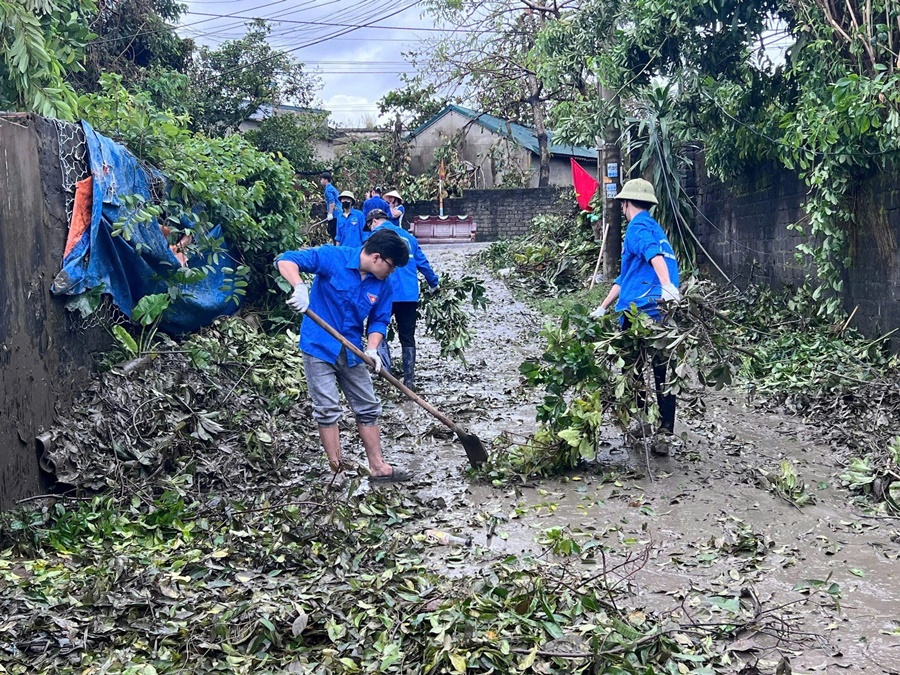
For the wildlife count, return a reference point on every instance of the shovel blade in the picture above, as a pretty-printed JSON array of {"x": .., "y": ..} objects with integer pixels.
[{"x": 475, "y": 450}]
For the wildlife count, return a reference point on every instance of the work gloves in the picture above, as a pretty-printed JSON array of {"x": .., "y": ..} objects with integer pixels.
[
  {"x": 330, "y": 216},
  {"x": 299, "y": 300},
  {"x": 376, "y": 360},
  {"x": 433, "y": 289},
  {"x": 599, "y": 312},
  {"x": 670, "y": 293}
]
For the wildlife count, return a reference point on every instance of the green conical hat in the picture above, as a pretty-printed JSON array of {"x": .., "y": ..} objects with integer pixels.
[{"x": 638, "y": 190}]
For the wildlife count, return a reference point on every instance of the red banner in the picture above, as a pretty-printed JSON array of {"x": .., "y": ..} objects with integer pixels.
[{"x": 585, "y": 185}]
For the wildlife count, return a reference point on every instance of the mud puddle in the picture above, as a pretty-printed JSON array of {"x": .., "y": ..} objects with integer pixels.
[{"x": 682, "y": 532}]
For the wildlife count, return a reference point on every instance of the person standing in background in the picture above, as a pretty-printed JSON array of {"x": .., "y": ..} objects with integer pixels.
[
  {"x": 350, "y": 222},
  {"x": 332, "y": 199},
  {"x": 375, "y": 201},
  {"x": 396, "y": 211}
]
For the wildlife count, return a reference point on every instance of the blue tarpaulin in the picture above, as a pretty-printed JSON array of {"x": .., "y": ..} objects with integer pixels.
[{"x": 128, "y": 268}]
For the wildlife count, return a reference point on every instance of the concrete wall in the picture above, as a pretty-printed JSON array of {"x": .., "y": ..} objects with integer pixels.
[
  {"x": 499, "y": 214},
  {"x": 45, "y": 355},
  {"x": 744, "y": 226}
]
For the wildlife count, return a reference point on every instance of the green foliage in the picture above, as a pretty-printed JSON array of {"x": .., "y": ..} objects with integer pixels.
[
  {"x": 553, "y": 259},
  {"x": 593, "y": 373},
  {"x": 414, "y": 102},
  {"x": 41, "y": 43},
  {"x": 233, "y": 81},
  {"x": 137, "y": 40},
  {"x": 787, "y": 484},
  {"x": 446, "y": 315},
  {"x": 292, "y": 136},
  {"x": 223, "y": 181},
  {"x": 815, "y": 112}
]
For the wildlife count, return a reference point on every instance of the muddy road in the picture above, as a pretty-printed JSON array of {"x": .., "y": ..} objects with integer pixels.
[{"x": 695, "y": 529}]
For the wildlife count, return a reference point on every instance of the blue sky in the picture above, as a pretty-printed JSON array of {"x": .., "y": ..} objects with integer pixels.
[{"x": 356, "y": 65}]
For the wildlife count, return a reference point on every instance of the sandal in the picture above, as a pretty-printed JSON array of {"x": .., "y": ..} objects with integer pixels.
[{"x": 396, "y": 476}]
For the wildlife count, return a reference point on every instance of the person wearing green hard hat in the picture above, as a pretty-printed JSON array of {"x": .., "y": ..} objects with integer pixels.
[{"x": 649, "y": 279}]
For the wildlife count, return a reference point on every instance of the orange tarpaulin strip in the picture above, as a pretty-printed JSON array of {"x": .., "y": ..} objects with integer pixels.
[
  {"x": 585, "y": 185},
  {"x": 81, "y": 213}
]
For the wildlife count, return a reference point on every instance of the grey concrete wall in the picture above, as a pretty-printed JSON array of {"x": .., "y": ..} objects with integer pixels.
[
  {"x": 499, "y": 214},
  {"x": 45, "y": 355},
  {"x": 744, "y": 226}
]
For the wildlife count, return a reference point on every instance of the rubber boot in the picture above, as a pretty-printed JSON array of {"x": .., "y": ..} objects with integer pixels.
[
  {"x": 409, "y": 367},
  {"x": 384, "y": 351}
]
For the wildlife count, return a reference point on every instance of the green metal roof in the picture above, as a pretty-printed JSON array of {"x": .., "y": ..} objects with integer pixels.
[{"x": 522, "y": 135}]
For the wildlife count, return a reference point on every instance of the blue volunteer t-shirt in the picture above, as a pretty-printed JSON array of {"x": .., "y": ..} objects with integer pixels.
[
  {"x": 375, "y": 202},
  {"x": 350, "y": 228},
  {"x": 398, "y": 221},
  {"x": 342, "y": 298},
  {"x": 644, "y": 240},
  {"x": 405, "y": 280},
  {"x": 332, "y": 196}
]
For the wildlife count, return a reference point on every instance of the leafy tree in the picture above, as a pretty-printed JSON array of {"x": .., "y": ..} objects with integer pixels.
[
  {"x": 490, "y": 61},
  {"x": 213, "y": 181},
  {"x": 292, "y": 136},
  {"x": 135, "y": 39},
  {"x": 230, "y": 83},
  {"x": 829, "y": 109},
  {"x": 415, "y": 103},
  {"x": 41, "y": 41}
]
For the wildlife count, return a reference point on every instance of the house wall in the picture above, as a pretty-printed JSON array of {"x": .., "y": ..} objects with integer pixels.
[{"x": 45, "y": 352}]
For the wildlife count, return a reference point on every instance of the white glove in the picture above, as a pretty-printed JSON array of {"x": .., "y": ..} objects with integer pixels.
[
  {"x": 299, "y": 300},
  {"x": 670, "y": 293},
  {"x": 330, "y": 216},
  {"x": 433, "y": 289},
  {"x": 599, "y": 312},
  {"x": 373, "y": 354}
]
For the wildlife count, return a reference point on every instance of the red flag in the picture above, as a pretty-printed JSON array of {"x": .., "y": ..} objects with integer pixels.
[{"x": 585, "y": 186}]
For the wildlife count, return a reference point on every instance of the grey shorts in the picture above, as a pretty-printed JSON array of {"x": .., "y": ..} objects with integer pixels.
[{"x": 323, "y": 380}]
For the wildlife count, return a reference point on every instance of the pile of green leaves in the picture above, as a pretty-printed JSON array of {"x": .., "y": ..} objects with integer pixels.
[
  {"x": 877, "y": 476},
  {"x": 589, "y": 373},
  {"x": 215, "y": 546},
  {"x": 232, "y": 389},
  {"x": 556, "y": 257},
  {"x": 298, "y": 581},
  {"x": 446, "y": 313}
]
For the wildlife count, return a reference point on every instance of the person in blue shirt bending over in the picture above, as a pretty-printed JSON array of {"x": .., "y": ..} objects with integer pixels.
[
  {"x": 351, "y": 288},
  {"x": 405, "y": 294},
  {"x": 649, "y": 277},
  {"x": 350, "y": 222},
  {"x": 397, "y": 210},
  {"x": 375, "y": 201},
  {"x": 332, "y": 200}
]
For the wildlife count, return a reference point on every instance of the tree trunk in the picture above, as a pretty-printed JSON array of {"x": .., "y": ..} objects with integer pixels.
[
  {"x": 612, "y": 208},
  {"x": 543, "y": 144}
]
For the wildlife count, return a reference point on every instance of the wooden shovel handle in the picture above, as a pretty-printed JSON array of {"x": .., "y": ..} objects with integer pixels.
[{"x": 409, "y": 393}]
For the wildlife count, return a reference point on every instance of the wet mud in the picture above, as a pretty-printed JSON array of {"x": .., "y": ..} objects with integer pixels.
[{"x": 697, "y": 527}]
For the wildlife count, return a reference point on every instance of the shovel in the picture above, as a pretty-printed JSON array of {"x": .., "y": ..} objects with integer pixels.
[{"x": 474, "y": 447}]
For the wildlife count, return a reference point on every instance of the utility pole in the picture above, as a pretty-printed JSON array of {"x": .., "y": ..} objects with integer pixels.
[{"x": 611, "y": 166}]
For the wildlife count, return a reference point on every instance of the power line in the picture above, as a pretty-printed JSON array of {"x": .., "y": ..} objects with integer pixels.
[
  {"x": 311, "y": 43},
  {"x": 353, "y": 25}
]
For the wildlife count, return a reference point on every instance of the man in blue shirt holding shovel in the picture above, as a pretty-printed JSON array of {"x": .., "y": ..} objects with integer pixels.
[{"x": 351, "y": 288}]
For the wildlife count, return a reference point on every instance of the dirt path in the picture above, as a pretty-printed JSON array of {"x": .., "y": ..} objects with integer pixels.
[{"x": 692, "y": 530}]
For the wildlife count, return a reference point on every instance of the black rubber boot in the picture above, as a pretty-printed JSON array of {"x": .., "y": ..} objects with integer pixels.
[
  {"x": 384, "y": 351},
  {"x": 409, "y": 367}
]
